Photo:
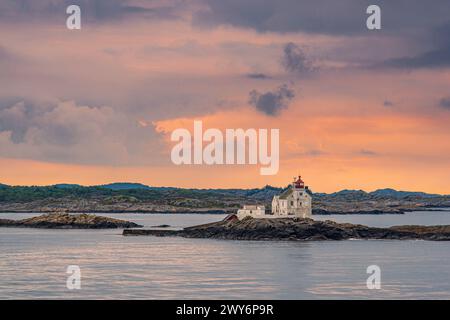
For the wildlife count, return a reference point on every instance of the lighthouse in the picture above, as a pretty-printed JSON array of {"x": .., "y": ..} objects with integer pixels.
[{"x": 294, "y": 202}]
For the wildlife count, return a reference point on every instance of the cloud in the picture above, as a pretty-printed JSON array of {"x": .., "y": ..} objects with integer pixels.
[
  {"x": 17, "y": 117},
  {"x": 345, "y": 17},
  {"x": 63, "y": 131},
  {"x": 307, "y": 153},
  {"x": 388, "y": 103},
  {"x": 4, "y": 55},
  {"x": 92, "y": 10},
  {"x": 432, "y": 59},
  {"x": 413, "y": 36},
  {"x": 294, "y": 60},
  {"x": 366, "y": 152},
  {"x": 8, "y": 57},
  {"x": 284, "y": 15},
  {"x": 445, "y": 103},
  {"x": 272, "y": 102},
  {"x": 436, "y": 57},
  {"x": 257, "y": 76}
]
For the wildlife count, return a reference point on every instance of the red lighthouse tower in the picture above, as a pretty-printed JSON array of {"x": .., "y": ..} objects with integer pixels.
[{"x": 299, "y": 183}]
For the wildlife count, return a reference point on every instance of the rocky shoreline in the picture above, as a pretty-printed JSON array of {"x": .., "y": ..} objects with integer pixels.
[
  {"x": 69, "y": 221},
  {"x": 298, "y": 229},
  {"x": 108, "y": 211},
  {"x": 318, "y": 212}
]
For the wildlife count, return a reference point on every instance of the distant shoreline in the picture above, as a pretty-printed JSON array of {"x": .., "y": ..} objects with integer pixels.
[
  {"x": 223, "y": 212},
  {"x": 149, "y": 200}
]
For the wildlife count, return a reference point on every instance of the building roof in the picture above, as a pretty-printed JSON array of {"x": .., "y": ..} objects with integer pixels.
[
  {"x": 253, "y": 207},
  {"x": 286, "y": 193}
]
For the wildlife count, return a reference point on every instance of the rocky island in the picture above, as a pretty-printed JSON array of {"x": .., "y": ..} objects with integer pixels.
[
  {"x": 69, "y": 221},
  {"x": 298, "y": 229}
]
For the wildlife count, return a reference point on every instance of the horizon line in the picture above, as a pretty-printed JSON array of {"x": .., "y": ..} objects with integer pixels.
[{"x": 267, "y": 185}]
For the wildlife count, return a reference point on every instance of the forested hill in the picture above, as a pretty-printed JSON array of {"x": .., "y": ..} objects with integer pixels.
[{"x": 135, "y": 197}]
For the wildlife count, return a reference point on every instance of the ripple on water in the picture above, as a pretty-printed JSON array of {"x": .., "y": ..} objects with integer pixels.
[{"x": 34, "y": 261}]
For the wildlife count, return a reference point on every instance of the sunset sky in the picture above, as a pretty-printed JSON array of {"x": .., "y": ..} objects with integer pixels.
[{"x": 356, "y": 108}]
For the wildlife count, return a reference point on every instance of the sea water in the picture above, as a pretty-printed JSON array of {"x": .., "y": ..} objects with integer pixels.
[{"x": 33, "y": 263}]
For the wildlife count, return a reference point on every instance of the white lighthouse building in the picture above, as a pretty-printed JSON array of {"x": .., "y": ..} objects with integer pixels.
[{"x": 294, "y": 202}]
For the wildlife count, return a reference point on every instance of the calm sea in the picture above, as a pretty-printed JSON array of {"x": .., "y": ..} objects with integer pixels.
[{"x": 33, "y": 263}]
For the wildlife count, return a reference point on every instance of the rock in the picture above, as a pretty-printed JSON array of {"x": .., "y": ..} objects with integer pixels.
[
  {"x": 7, "y": 222},
  {"x": 143, "y": 232},
  {"x": 69, "y": 221},
  {"x": 299, "y": 229}
]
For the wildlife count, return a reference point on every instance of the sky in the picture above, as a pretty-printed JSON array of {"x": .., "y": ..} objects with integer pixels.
[{"x": 356, "y": 108}]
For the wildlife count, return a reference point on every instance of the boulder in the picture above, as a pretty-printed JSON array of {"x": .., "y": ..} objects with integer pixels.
[{"x": 69, "y": 221}]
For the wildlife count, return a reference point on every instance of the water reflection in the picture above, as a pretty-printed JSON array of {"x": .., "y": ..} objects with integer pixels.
[{"x": 34, "y": 262}]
